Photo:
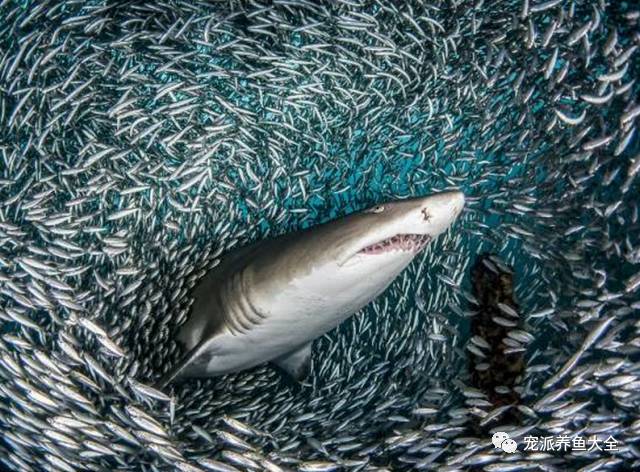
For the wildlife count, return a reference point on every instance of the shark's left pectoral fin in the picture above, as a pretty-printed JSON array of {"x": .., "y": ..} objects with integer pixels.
[
  {"x": 191, "y": 363},
  {"x": 296, "y": 363}
]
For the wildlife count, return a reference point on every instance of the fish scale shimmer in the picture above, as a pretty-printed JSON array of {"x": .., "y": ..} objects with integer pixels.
[{"x": 141, "y": 141}]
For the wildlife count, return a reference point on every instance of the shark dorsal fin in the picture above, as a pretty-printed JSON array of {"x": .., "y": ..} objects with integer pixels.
[{"x": 296, "y": 363}]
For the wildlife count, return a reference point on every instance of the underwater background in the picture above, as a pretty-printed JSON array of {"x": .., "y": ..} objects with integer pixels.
[{"x": 139, "y": 142}]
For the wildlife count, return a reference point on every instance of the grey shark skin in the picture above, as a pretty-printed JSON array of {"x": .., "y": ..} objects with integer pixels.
[{"x": 270, "y": 300}]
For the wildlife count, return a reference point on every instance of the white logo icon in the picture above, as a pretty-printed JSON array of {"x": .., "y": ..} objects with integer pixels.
[{"x": 502, "y": 441}]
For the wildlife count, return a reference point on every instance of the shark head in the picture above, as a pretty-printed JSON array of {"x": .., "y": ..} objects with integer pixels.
[
  {"x": 399, "y": 228},
  {"x": 341, "y": 265}
]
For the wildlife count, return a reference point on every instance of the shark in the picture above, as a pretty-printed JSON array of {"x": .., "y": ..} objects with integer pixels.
[{"x": 268, "y": 301}]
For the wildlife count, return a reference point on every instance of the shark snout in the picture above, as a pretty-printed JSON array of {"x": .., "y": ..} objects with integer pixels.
[
  {"x": 438, "y": 212},
  {"x": 457, "y": 201}
]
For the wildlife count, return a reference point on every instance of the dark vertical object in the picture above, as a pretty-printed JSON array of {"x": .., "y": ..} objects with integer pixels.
[{"x": 493, "y": 284}]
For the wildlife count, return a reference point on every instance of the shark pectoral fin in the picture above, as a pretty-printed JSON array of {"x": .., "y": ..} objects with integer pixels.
[
  {"x": 191, "y": 364},
  {"x": 296, "y": 363}
]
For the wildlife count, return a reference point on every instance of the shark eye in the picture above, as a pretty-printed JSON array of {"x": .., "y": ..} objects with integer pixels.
[{"x": 376, "y": 209}]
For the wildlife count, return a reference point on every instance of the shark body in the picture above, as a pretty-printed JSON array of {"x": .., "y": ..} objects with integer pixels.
[{"x": 270, "y": 300}]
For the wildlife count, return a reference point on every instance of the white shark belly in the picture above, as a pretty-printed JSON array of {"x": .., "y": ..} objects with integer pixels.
[{"x": 299, "y": 314}]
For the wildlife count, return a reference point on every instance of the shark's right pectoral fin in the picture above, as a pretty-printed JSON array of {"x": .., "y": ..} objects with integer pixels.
[
  {"x": 296, "y": 363},
  {"x": 193, "y": 363}
]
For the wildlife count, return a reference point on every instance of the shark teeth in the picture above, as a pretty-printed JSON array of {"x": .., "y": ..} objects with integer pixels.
[{"x": 399, "y": 242}]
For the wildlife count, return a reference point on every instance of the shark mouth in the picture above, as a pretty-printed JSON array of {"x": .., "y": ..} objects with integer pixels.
[{"x": 399, "y": 242}]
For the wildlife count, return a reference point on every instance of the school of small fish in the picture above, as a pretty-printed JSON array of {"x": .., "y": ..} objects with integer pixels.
[{"x": 140, "y": 141}]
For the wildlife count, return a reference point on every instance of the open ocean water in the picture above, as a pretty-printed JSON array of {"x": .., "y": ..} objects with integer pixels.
[{"x": 140, "y": 141}]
